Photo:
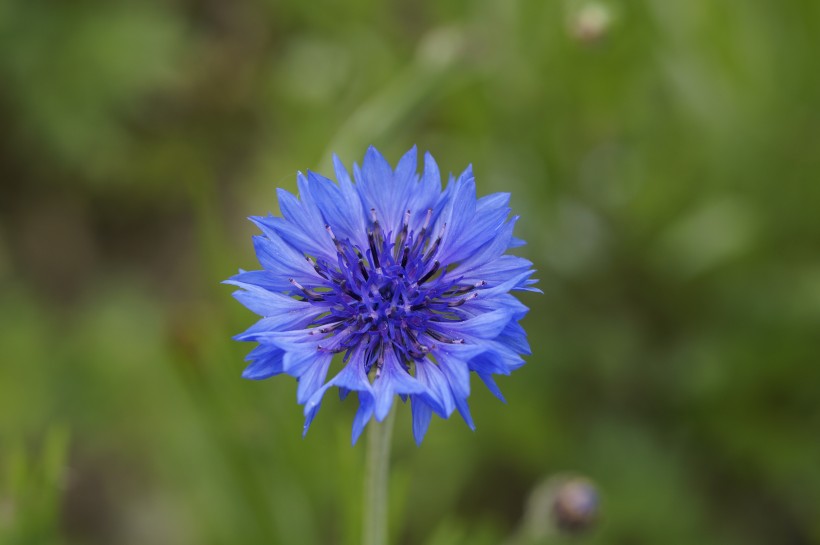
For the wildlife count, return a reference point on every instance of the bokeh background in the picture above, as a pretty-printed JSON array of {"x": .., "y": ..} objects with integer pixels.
[{"x": 663, "y": 156}]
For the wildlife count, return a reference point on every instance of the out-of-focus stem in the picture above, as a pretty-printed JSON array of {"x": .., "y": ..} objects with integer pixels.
[{"x": 377, "y": 474}]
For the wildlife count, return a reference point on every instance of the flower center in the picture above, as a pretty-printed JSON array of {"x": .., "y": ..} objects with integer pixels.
[{"x": 393, "y": 292}]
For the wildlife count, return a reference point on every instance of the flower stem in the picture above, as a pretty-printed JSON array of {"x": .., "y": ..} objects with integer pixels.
[{"x": 375, "y": 481}]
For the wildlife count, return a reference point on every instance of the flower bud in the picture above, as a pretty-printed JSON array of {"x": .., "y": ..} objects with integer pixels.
[{"x": 591, "y": 23}]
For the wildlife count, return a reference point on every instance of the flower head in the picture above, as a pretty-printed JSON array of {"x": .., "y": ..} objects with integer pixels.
[{"x": 406, "y": 284}]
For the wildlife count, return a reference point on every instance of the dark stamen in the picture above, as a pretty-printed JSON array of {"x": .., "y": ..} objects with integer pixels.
[
  {"x": 436, "y": 243},
  {"x": 418, "y": 348},
  {"x": 373, "y": 252},
  {"x": 461, "y": 290},
  {"x": 462, "y": 301},
  {"x": 420, "y": 238},
  {"x": 377, "y": 230},
  {"x": 312, "y": 295},
  {"x": 327, "y": 328},
  {"x": 416, "y": 353},
  {"x": 403, "y": 233},
  {"x": 443, "y": 338},
  {"x": 316, "y": 267},
  {"x": 404, "y": 255},
  {"x": 363, "y": 270},
  {"x": 421, "y": 305},
  {"x": 430, "y": 273},
  {"x": 339, "y": 248},
  {"x": 345, "y": 289}
]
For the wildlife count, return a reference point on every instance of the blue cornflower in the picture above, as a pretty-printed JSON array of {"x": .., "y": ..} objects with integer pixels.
[{"x": 407, "y": 284}]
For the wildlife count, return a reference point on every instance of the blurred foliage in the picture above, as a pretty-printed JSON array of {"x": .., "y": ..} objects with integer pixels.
[
  {"x": 30, "y": 488},
  {"x": 663, "y": 156}
]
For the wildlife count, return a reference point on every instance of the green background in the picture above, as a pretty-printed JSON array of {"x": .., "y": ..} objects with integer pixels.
[{"x": 665, "y": 167}]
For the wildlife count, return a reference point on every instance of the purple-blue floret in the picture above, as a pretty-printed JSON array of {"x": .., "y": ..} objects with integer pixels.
[{"x": 402, "y": 287}]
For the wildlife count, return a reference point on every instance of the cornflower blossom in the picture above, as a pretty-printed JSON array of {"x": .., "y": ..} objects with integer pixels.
[{"x": 400, "y": 285}]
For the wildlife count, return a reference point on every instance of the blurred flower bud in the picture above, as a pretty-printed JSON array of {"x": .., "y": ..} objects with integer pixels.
[
  {"x": 591, "y": 22},
  {"x": 564, "y": 503},
  {"x": 575, "y": 505}
]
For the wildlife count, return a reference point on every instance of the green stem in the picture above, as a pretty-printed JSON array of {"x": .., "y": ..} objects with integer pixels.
[{"x": 375, "y": 481}]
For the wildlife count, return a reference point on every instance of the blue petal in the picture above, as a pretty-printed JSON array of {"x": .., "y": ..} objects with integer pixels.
[
  {"x": 393, "y": 380},
  {"x": 488, "y": 220},
  {"x": 492, "y": 386},
  {"x": 515, "y": 338},
  {"x": 295, "y": 236},
  {"x": 483, "y": 326},
  {"x": 297, "y": 362},
  {"x": 351, "y": 378},
  {"x": 431, "y": 179},
  {"x": 263, "y": 279},
  {"x": 457, "y": 215},
  {"x": 363, "y": 416},
  {"x": 265, "y": 328},
  {"x": 483, "y": 303},
  {"x": 425, "y": 194},
  {"x": 429, "y": 374},
  {"x": 495, "y": 271},
  {"x": 526, "y": 286},
  {"x": 267, "y": 303},
  {"x": 422, "y": 413},
  {"x": 516, "y": 243},
  {"x": 493, "y": 202},
  {"x": 266, "y": 362},
  {"x": 302, "y": 226},
  {"x": 493, "y": 249},
  {"x": 404, "y": 186},
  {"x": 342, "y": 176},
  {"x": 497, "y": 360},
  {"x": 276, "y": 256},
  {"x": 309, "y": 416},
  {"x": 353, "y": 201},
  {"x": 341, "y": 209},
  {"x": 313, "y": 377},
  {"x": 311, "y": 219},
  {"x": 374, "y": 181},
  {"x": 293, "y": 340},
  {"x": 512, "y": 282},
  {"x": 458, "y": 375}
]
